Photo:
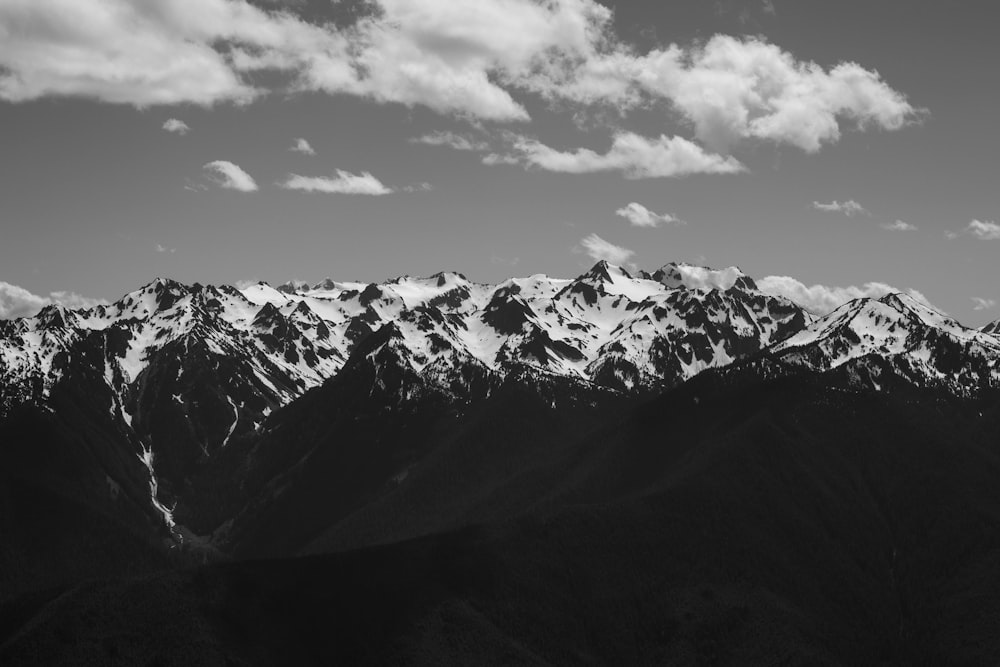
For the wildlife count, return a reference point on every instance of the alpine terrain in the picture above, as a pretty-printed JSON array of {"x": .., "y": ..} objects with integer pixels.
[{"x": 672, "y": 467}]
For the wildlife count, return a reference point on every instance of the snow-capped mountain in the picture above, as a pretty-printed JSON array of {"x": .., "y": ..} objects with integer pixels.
[
  {"x": 243, "y": 352},
  {"x": 182, "y": 381},
  {"x": 183, "y": 370},
  {"x": 899, "y": 333}
]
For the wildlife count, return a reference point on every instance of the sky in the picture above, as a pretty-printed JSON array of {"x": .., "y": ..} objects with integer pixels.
[{"x": 830, "y": 150}]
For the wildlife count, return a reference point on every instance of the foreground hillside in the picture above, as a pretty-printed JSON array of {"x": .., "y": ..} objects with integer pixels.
[{"x": 731, "y": 521}]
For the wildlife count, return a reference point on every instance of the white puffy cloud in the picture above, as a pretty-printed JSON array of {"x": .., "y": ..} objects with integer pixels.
[
  {"x": 599, "y": 249},
  {"x": 734, "y": 88},
  {"x": 302, "y": 146},
  {"x": 176, "y": 126},
  {"x": 983, "y": 304},
  {"x": 15, "y": 301},
  {"x": 700, "y": 277},
  {"x": 821, "y": 299},
  {"x": 138, "y": 53},
  {"x": 343, "y": 182},
  {"x": 452, "y": 140},
  {"x": 898, "y": 226},
  {"x": 986, "y": 231},
  {"x": 633, "y": 155},
  {"x": 230, "y": 176},
  {"x": 460, "y": 58},
  {"x": 850, "y": 208},
  {"x": 640, "y": 216}
]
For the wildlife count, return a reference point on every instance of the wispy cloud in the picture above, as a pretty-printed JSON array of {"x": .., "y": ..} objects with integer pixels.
[
  {"x": 227, "y": 175},
  {"x": 15, "y": 301},
  {"x": 599, "y": 249},
  {"x": 898, "y": 226},
  {"x": 631, "y": 154},
  {"x": 640, "y": 216},
  {"x": 176, "y": 126},
  {"x": 452, "y": 140},
  {"x": 343, "y": 182},
  {"x": 822, "y": 299},
  {"x": 983, "y": 304},
  {"x": 164, "y": 249},
  {"x": 302, "y": 146},
  {"x": 850, "y": 208}
]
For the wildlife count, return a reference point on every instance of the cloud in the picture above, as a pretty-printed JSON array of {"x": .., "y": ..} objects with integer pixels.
[
  {"x": 176, "y": 126},
  {"x": 164, "y": 249},
  {"x": 633, "y": 155},
  {"x": 850, "y": 208},
  {"x": 898, "y": 226},
  {"x": 344, "y": 182},
  {"x": 983, "y": 304},
  {"x": 599, "y": 249},
  {"x": 16, "y": 301},
  {"x": 230, "y": 176},
  {"x": 734, "y": 88},
  {"x": 985, "y": 231},
  {"x": 245, "y": 284},
  {"x": 640, "y": 216},
  {"x": 768, "y": 7},
  {"x": 451, "y": 140},
  {"x": 465, "y": 59},
  {"x": 699, "y": 277},
  {"x": 419, "y": 187},
  {"x": 302, "y": 146},
  {"x": 821, "y": 299}
]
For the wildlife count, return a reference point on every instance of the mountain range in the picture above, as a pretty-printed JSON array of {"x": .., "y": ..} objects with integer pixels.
[{"x": 322, "y": 424}]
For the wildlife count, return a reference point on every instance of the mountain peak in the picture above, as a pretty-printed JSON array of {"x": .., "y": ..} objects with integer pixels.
[{"x": 604, "y": 271}]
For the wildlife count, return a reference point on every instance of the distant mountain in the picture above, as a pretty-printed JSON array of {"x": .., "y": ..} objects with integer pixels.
[
  {"x": 215, "y": 361},
  {"x": 899, "y": 335},
  {"x": 213, "y": 421}
]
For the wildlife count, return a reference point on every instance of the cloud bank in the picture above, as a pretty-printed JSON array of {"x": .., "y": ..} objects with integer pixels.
[
  {"x": 821, "y": 299},
  {"x": 467, "y": 59},
  {"x": 16, "y": 301}
]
